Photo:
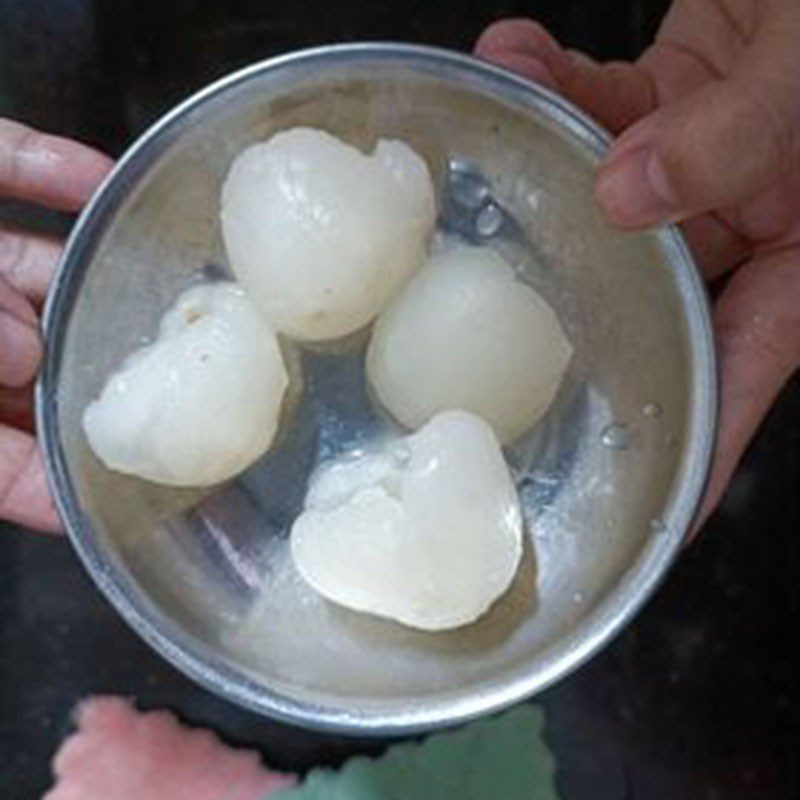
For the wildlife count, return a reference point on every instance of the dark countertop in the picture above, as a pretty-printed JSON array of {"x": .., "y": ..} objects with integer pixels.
[{"x": 697, "y": 699}]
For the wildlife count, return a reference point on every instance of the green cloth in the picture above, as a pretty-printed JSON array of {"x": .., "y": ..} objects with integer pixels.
[{"x": 502, "y": 758}]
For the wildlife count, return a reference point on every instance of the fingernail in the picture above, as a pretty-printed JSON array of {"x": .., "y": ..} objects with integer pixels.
[
  {"x": 20, "y": 351},
  {"x": 635, "y": 191}
]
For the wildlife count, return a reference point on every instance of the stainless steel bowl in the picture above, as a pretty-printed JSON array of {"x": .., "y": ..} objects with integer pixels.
[{"x": 610, "y": 481}]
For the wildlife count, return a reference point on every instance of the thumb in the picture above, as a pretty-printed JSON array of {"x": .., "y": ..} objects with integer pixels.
[{"x": 715, "y": 148}]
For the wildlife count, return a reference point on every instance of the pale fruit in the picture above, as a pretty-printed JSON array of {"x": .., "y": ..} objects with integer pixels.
[
  {"x": 200, "y": 403},
  {"x": 322, "y": 235},
  {"x": 466, "y": 333},
  {"x": 426, "y": 531}
]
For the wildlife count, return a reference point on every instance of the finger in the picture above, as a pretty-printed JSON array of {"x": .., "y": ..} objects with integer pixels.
[
  {"x": 616, "y": 94},
  {"x": 47, "y": 169},
  {"x": 16, "y": 407},
  {"x": 721, "y": 145},
  {"x": 517, "y": 35},
  {"x": 757, "y": 321},
  {"x": 522, "y": 45},
  {"x": 697, "y": 42},
  {"x": 773, "y": 217},
  {"x": 20, "y": 343},
  {"x": 24, "y": 496},
  {"x": 715, "y": 245},
  {"x": 27, "y": 261},
  {"x": 531, "y": 68}
]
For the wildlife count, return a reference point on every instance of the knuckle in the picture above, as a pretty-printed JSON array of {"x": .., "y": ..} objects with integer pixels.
[
  {"x": 16, "y": 144},
  {"x": 780, "y": 132},
  {"x": 20, "y": 458},
  {"x": 538, "y": 35},
  {"x": 729, "y": 144},
  {"x": 688, "y": 185},
  {"x": 14, "y": 251},
  {"x": 25, "y": 144},
  {"x": 523, "y": 35}
]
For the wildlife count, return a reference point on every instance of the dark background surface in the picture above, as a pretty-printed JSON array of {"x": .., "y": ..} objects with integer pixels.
[{"x": 697, "y": 699}]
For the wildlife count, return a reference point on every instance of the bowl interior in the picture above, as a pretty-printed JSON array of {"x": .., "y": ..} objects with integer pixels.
[{"x": 205, "y": 575}]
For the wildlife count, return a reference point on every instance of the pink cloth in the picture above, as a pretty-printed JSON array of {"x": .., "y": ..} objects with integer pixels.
[{"x": 119, "y": 753}]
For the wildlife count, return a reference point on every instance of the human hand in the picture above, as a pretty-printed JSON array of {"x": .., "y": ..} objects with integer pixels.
[
  {"x": 709, "y": 118},
  {"x": 60, "y": 174}
]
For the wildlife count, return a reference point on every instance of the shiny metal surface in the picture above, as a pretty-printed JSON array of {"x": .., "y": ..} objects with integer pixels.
[{"x": 609, "y": 482}]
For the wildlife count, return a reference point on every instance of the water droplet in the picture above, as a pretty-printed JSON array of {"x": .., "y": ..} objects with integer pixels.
[
  {"x": 658, "y": 527},
  {"x": 578, "y": 598},
  {"x": 466, "y": 184},
  {"x": 653, "y": 410},
  {"x": 616, "y": 436},
  {"x": 490, "y": 220}
]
